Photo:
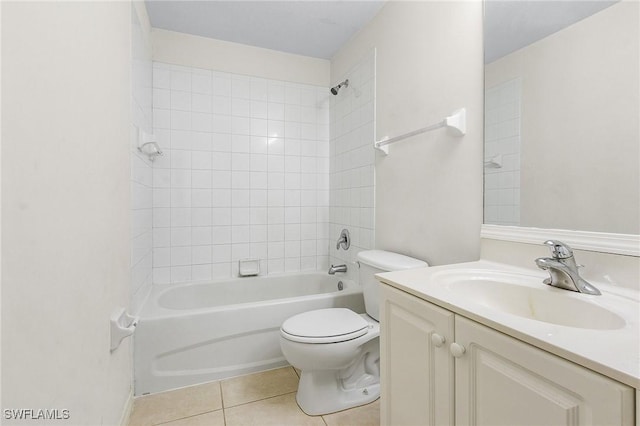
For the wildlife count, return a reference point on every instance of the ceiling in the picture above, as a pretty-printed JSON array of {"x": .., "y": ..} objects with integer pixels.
[
  {"x": 513, "y": 24},
  {"x": 319, "y": 28},
  {"x": 316, "y": 28}
]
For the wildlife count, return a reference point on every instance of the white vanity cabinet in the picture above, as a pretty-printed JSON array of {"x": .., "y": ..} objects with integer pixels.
[
  {"x": 416, "y": 367},
  {"x": 432, "y": 375}
]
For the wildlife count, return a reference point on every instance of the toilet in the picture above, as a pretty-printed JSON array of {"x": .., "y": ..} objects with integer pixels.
[{"x": 338, "y": 350}]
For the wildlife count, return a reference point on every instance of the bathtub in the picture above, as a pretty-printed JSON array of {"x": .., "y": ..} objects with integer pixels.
[{"x": 194, "y": 333}]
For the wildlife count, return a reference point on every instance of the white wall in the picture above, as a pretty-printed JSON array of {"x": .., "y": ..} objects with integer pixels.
[
  {"x": 141, "y": 166},
  {"x": 66, "y": 93},
  {"x": 429, "y": 188},
  {"x": 201, "y": 52},
  {"x": 580, "y": 121}
]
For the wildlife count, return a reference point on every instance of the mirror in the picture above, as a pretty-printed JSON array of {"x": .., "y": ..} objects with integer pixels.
[{"x": 561, "y": 115}]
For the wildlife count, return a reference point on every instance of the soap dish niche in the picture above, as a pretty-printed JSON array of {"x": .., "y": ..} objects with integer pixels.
[{"x": 249, "y": 267}]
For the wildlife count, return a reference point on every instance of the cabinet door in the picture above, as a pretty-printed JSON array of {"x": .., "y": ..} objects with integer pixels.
[
  {"x": 503, "y": 381},
  {"x": 416, "y": 374}
]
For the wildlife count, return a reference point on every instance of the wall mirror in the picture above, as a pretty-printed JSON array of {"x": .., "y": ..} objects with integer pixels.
[{"x": 562, "y": 140}]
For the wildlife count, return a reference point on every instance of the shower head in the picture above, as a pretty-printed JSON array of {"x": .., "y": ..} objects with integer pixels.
[{"x": 334, "y": 90}]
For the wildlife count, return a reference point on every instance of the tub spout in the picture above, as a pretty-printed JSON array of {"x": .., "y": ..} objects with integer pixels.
[{"x": 337, "y": 268}]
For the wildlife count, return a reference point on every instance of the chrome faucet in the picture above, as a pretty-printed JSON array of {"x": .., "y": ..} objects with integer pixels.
[
  {"x": 337, "y": 268},
  {"x": 563, "y": 269},
  {"x": 344, "y": 240}
]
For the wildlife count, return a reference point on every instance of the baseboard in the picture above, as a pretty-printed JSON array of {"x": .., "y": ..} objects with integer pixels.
[{"x": 128, "y": 408}]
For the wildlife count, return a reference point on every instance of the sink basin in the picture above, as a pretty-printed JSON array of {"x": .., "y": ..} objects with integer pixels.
[{"x": 526, "y": 296}]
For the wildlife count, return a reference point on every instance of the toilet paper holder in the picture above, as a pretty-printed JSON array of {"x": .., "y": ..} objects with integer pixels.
[{"x": 122, "y": 325}]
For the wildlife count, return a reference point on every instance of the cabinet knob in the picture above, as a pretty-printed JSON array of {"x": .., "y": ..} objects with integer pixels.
[
  {"x": 457, "y": 350},
  {"x": 437, "y": 340}
]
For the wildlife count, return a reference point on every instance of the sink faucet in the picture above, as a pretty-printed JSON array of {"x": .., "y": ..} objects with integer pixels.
[
  {"x": 337, "y": 268},
  {"x": 563, "y": 269}
]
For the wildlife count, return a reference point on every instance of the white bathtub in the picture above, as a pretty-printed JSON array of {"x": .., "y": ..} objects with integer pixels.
[{"x": 193, "y": 333}]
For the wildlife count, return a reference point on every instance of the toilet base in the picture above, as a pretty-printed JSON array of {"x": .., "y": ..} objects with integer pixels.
[{"x": 322, "y": 392}]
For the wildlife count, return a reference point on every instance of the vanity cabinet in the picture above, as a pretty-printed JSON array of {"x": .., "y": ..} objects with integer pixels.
[{"x": 440, "y": 368}]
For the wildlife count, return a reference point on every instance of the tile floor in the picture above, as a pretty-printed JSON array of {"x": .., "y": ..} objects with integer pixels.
[{"x": 265, "y": 398}]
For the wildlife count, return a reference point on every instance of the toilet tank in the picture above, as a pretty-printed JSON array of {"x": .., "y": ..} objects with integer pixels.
[{"x": 372, "y": 262}]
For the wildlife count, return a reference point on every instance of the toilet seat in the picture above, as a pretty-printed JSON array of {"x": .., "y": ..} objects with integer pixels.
[{"x": 331, "y": 325}]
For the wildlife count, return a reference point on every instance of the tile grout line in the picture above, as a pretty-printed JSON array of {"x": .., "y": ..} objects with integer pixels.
[
  {"x": 224, "y": 413},
  {"x": 186, "y": 417},
  {"x": 262, "y": 399}
]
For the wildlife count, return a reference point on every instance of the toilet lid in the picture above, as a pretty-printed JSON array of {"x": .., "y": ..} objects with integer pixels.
[{"x": 324, "y": 326}]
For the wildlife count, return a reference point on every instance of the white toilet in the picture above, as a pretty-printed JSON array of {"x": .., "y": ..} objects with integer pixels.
[{"x": 338, "y": 350}]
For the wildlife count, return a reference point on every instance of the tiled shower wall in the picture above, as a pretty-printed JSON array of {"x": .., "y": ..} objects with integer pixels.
[
  {"x": 141, "y": 167},
  {"x": 352, "y": 163},
  {"x": 245, "y": 174},
  {"x": 502, "y": 139}
]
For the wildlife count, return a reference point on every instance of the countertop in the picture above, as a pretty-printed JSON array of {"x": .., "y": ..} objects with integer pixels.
[{"x": 612, "y": 352}]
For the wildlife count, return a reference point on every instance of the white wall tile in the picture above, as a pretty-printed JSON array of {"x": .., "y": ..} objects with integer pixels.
[
  {"x": 180, "y": 101},
  {"x": 161, "y": 257},
  {"x": 220, "y": 216},
  {"x": 201, "y": 255},
  {"x": 161, "y": 217},
  {"x": 180, "y": 236},
  {"x": 221, "y": 252},
  {"x": 161, "y": 78},
  {"x": 240, "y": 215},
  {"x": 259, "y": 88},
  {"x": 241, "y": 87},
  {"x": 221, "y": 179},
  {"x": 221, "y": 160},
  {"x": 276, "y": 92},
  {"x": 180, "y": 120},
  {"x": 237, "y": 180},
  {"x": 201, "y": 272},
  {"x": 202, "y": 83},
  {"x": 180, "y": 197},
  {"x": 161, "y": 237},
  {"x": 180, "y": 217},
  {"x": 275, "y": 266},
  {"x": 258, "y": 127},
  {"x": 222, "y": 84},
  {"x": 221, "y": 197},
  {"x": 221, "y": 234},
  {"x": 275, "y": 144},
  {"x": 180, "y": 81},
  {"x": 161, "y": 98},
  {"x": 180, "y": 159},
  {"x": 201, "y": 235},
  {"x": 201, "y": 122},
  {"x": 180, "y": 274},
  {"x": 201, "y": 198},
  {"x": 201, "y": 217}
]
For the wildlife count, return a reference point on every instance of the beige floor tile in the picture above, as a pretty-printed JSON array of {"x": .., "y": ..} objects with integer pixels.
[
  {"x": 366, "y": 415},
  {"x": 278, "y": 411},
  {"x": 214, "y": 418},
  {"x": 254, "y": 387},
  {"x": 176, "y": 404}
]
